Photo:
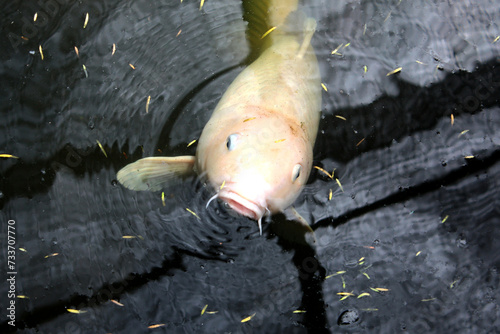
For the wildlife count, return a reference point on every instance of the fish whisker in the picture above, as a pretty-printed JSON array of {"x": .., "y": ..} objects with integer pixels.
[{"x": 211, "y": 199}]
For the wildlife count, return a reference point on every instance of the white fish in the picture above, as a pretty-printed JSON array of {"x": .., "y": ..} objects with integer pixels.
[{"x": 257, "y": 148}]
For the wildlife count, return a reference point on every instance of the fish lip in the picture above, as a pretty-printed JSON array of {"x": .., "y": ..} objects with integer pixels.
[{"x": 242, "y": 205}]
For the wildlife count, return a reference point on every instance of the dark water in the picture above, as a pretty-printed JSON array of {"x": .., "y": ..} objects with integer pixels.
[{"x": 415, "y": 216}]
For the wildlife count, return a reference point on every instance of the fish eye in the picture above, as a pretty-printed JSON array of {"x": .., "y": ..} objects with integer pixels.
[
  {"x": 231, "y": 141},
  {"x": 296, "y": 172}
]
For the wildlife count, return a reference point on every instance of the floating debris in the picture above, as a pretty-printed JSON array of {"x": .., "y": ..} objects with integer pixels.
[
  {"x": 204, "y": 309},
  {"x": 452, "y": 285},
  {"x": 418, "y": 253},
  {"x": 5, "y": 155},
  {"x": 340, "y": 185},
  {"x": 335, "y": 52},
  {"x": 397, "y": 70},
  {"x": 86, "y": 21},
  {"x": 380, "y": 289},
  {"x": 117, "y": 303},
  {"x": 419, "y": 62},
  {"x": 178, "y": 33},
  {"x": 72, "y": 310},
  {"x": 324, "y": 87},
  {"x": 156, "y": 326},
  {"x": 452, "y": 119},
  {"x": 191, "y": 142},
  {"x": 330, "y": 194},
  {"x": 369, "y": 309},
  {"x": 22, "y": 249},
  {"x": 388, "y": 16},
  {"x": 133, "y": 67},
  {"x": 462, "y": 133},
  {"x": 359, "y": 143},
  {"x": 444, "y": 219},
  {"x": 223, "y": 184},
  {"x": 51, "y": 255},
  {"x": 267, "y": 32},
  {"x": 365, "y": 68},
  {"x": 469, "y": 157},
  {"x": 129, "y": 237},
  {"x": 248, "y": 318},
  {"x": 192, "y": 212},
  {"x": 279, "y": 140},
  {"x": 337, "y": 273},
  {"x": 147, "y": 104},
  {"x": 35, "y": 17},
  {"x": 324, "y": 171},
  {"x": 85, "y": 71},
  {"x": 345, "y": 293},
  {"x": 496, "y": 39},
  {"x": 41, "y": 51},
  {"x": 299, "y": 311},
  {"x": 202, "y": 3},
  {"x": 22, "y": 297},
  {"x": 76, "y": 51},
  {"x": 364, "y": 294},
  {"x": 249, "y": 119},
  {"x": 366, "y": 275},
  {"x": 114, "y": 49},
  {"x": 341, "y": 117},
  {"x": 102, "y": 148},
  {"x": 428, "y": 299},
  {"x": 163, "y": 198}
]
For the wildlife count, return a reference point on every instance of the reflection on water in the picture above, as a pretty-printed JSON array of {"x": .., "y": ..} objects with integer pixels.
[{"x": 411, "y": 234}]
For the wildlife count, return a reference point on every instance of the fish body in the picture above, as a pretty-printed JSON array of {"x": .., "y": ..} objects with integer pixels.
[{"x": 257, "y": 148}]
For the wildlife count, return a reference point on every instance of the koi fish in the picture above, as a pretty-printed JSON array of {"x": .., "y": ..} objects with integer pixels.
[{"x": 256, "y": 150}]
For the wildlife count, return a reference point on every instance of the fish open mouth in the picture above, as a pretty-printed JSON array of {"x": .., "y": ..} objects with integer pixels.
[{"x": 242, "y": 205}]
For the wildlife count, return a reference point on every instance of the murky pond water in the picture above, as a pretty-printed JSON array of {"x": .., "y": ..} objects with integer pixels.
[{"x": 407, "y": 243}]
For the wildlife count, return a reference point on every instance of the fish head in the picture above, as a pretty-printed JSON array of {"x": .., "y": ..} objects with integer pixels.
[{"x": 258, "y": 163}]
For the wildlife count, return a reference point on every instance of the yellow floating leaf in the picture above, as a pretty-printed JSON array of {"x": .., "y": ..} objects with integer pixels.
[
  {"x": 324, "y": 87},
  {"x": 341, "y": 117},
  {"x": 324, "y": 171},
  {"x": 369, "y": 309},
  {"x": 452, "y": 119},
  {"x": 163, "y": 198},
  {"x": 364, "y": 294},
  {"x": 361, "y": 259},
  {"x": 102, "y": 148},
  {"x": 330, "y": 194},
  {"x": 299, "y": 311},
  {"x": 340, "y": 185},
  {"x": 212, "y": 312},
  {"x": 72, "y": 310},
  {"x": 346, "y": 45},
  {"x": 202, "y": 3},
  {"x": 41, "y": 51},
  {"x": 116, "y": 302},
  {"x": 86, "y": 21},
  {"x": 268, "y": 32},
  {"x": 85, "y": 71},
  {"x": 345, "y": 297},
  {"x": 397, "y": 70},
  {"x": 223, "y": 184},
  {"x": 462, "y": 133},
  {"x": 204, "y": 309},
  {"x": 147, "y": 104},
  {"x": 337, "y": 273},
  {"x": 191, "y": 142},
  {"x": 419, "y": 62},
  {"x": 335, "y": 52},
  {"x": 248, "y": 318},
  {"x": 496, "y": 39},
  {"x": 132, "y": 66},
  {"x": 365, "y": 68},
  {"x": 418, "y": 253},
  {"x": 279, "y": 140},
  {"x": 156, "y": 326},
  {"x": 178, "y": 33},
  {"x": 114, "y": 49},
  {"x": 22, "y": 249},
  {"x": 359, "y": 143},
  {"x": 345, "y": 294},
  {"x": 249, "y": 119},
  {"x": 76, "y": 51},
  {"x": 129, "y": 237},
  {"x": 428, "y": 299},
  {"x": 51, "y": 255},
  {"x": 366, "y": 275},
  {"x": 22, "y": 297},
  {"x": 469, "y": 157},
  {"x": 4, "y": 155},
  {"x": 382, "y": 289},
  {"x": 343, "y": 282},
  {"x": 453, "y": 284},
  {"x": 35, "y": 17},
  {"x": 444, "y": 219},
  {"x": 192, "y": 212}
]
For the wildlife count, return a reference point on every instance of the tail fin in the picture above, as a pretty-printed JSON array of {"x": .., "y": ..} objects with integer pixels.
[{"x": 263, "y": 15}]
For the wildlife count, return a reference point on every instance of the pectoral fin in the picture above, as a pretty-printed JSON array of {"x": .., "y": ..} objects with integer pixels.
[
  {"x": 155, "y": 172},
  {"x": 299, "y": 229}
]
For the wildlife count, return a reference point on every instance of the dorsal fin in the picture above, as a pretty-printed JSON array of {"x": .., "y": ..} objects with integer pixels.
[{"x": 262, "y": 15}]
